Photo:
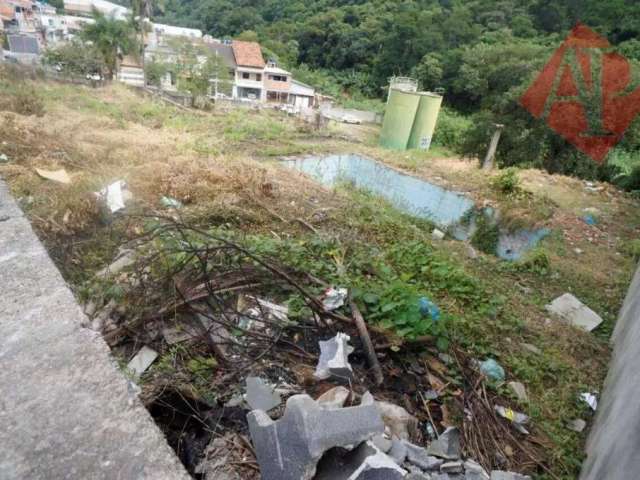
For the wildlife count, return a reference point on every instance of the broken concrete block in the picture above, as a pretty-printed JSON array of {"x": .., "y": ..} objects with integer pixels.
[
  {"x": 260, "y": 395},
  {"x": 142, "y": 360},
  {"x": 570, "y": 309},
  {"x": 500, "y": 475},
  {"x": 452, "y": 467},
  {"x": 334, "y": 358},
  {"x": 447, "y": 446},
  {"x": 290, "y": 448},
  {"x": 378, "y": 467},
  {"x": 519, "y": 391},
  {"x": 366, "y": 462},
  {"x": 437, "y": 234},
  {"x": 398, "y": 451},
  {"x": 577, "y": 425},
  {"x": 421, "y": 458},
  {"x": 125, "y": 259},
  {"x": 382, "y": 443},
  {"x": 474, "y": 471},
  {"x": 367, "y": 399},
  {"x": 334, "y": 398},
  {"x": 397, "y": 419}
]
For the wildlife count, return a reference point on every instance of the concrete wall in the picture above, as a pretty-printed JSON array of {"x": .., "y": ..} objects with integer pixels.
[
  {"x": 338, "y": 113},
  {"x": 613, "y": 448},
  {"x": 66, "y": 410}
]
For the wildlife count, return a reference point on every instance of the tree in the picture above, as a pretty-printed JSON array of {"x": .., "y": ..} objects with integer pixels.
[
  {"x": 429, "y": 71},
  {"x": 112, "y": 38},
  {"x": 75, "y": 57}
]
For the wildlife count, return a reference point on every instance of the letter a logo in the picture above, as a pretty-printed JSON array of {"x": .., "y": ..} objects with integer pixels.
[{"x": 584, "y": 93}]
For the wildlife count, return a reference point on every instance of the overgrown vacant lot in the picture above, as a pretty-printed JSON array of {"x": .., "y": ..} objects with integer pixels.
[{"x": 223, "y": 167}]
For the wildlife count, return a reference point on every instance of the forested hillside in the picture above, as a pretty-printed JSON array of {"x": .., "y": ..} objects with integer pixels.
[{"x": 483, "y": 53}]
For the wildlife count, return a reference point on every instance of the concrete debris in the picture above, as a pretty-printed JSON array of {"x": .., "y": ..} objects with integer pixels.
[
  {"x": 290, "y": 448},
  {"x": 577, "y": 425},
  {"x": 452, "y": 467},
  {"x": 437, "y": 234},
  {"x": 334, "y": 398},
  {"x": 260, "y": 395},
  {"x": 114, "y": 195},
  {"x": 367, "y": 399},
  {"x": 168, "y": 202},
  {"x": 590, "y": 399},
  {"x": 420, "y": 457},
  {"x": 500, "y": 475},
  {"x": 141, "y": 361},
  {"x": 397, "y": 419},
  {"x": 279, "y": 312},
  {"x": 519, "y": 390},
  {"x": 382, "y": 443},
  {"x": 334, "y": 358},
  {"x": 417, "y": 476},
  {"x": 60, "y": 176},
  {"x": 216, "y": 334},
  {"x": 366, "y": 462},
  {"x": 517, "y": 419},
  {"x": 178, "y": 334},
  {"x": 570, "y": 309},
  {"x": 474, "y": 471},
  {"x": 531, "y": 348},
  {"x": 3, "y": 158},
  {"x": 378, "y": 467},
  {"x": 334, "y": 298},
  {"x": 217, "y": 461},
  {"x": 399, "y": 451},
  {"x": 124, "y": 259},
  {"x": 447, "y": 446}
]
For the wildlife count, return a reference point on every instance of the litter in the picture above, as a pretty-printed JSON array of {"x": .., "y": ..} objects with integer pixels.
[
  {"x": 428, "y": 309},
  {"x": 113, "y": 195},
  {"x": 334, "y": 358},
  {"x": 3, "y": 158},
  {"x": 260, "y": 395},
  {"x": 519, "y": 391},
  {"x": 142, "y": 360},
  {"x": 492, "y": 370},
  {"x": 334, "y": 298},
  {"x": 569, "y": 308},
  {"x": 437, "y": 234},
  {"x": 169, "y": 202},
  {"x": 517, "y": 419},
  {"x": 60, "y": 176},
  {"x": 589, "y": 220},
  {"x": 590, "y": 399}
]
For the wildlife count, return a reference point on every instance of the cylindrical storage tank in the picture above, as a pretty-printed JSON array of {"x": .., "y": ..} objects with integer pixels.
[
  {"x": 425, "y": 121},
  {"x": 398, "y": 119}
]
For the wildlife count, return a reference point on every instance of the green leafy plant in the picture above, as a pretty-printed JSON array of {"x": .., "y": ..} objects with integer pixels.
[{"x": 506, "y": 182}]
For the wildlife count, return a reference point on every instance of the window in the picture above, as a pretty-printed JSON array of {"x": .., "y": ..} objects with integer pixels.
[
  {"x": 259, "y": 77},
  {"x": 245, "y": 75},
  {"x": 278, "y": 78}
]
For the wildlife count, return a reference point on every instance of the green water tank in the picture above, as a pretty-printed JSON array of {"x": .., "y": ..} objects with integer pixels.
[
  {"x": 398, "y": 119},
  {"x": 424, "y": 123}
]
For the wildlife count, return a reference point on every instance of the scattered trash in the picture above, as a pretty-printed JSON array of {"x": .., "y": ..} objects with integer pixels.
[
  {"x": 570, "y": 309},
  {"x": 437, "y": 234},
  {"x": 492, "y": 370},
  {"x": 578, "y": 251},
  {"x": 334, "y": 398},
  {"x": 169, "y": 202},
  {"x": 290, "y": 448},
  {"x": 447, "y": 445},
  {"x": 334, "y": 358},
  {"x": 577, "y": 425},
  {"x": 124, "y": 259},
  {"x": 517, "y": 419},
  {"x": 60, "y": 176},
  {"x": 430, "y": 395},
  {"x": 334, "y": 298},
  {"x": 590, "y": 220},
  {"x": 141, "y": 361},
  {"x": 519, "y": 391},
  {"x": 590, "y": 399},
  {"x": 428, "y": 309},
  {"x": 113, "y": 195},
  {"x": 3, "y": 158},
  {"x": 260, "y": 395}
]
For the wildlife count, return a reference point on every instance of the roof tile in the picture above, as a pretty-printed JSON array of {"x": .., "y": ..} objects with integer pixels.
[{"x": 248, "y": 54}]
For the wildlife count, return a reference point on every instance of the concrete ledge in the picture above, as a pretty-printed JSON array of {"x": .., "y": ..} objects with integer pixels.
[{"x": 66, "y": 411}]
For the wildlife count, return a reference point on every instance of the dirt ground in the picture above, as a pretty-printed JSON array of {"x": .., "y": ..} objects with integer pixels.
[{"x": 223, "y": 167}]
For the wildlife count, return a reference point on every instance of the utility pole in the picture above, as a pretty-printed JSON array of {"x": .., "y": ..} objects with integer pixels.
[{"x": 487, "y": 164}]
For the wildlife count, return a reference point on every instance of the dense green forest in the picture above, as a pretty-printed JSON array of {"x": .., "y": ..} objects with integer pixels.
[{"x": 483, "y": 53}]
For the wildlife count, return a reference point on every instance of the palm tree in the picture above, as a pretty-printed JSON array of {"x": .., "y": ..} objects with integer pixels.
[{"x": 111, "y": 37}]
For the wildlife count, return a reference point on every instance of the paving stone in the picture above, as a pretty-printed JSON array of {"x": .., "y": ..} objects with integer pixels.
[
  {"x": 290, "y": 448},
  {"x": 447, "y": 446},
  {"x": 260, "y": 395},
  {"x": 420, "y": 457},
  {"x": 573, "y": 311},
  {"x": 334, "y": 358},
  {"x": 334, "y": 398}
]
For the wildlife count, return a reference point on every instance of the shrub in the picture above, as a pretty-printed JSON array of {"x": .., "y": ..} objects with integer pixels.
[
  {"x": 487, "y": 234},
  {"x": 451, "y": 130},
  {"x": 506, "y": 182}
]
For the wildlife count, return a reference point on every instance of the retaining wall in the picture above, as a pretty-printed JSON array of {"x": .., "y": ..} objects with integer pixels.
[
  {"x": 613, "y": 447},
  {"x": 66, "y": 410}
]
